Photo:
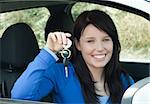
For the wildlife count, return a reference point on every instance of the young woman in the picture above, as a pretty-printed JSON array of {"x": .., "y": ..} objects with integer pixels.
[{"x": 94, "y": 74}]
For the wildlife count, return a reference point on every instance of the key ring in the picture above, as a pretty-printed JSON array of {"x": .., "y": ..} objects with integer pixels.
[
  {"x": 68, "y": 45},
  {"x": 65, "y": 53}
]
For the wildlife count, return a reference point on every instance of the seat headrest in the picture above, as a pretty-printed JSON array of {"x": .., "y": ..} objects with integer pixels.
[
  {"x": 19, "y": 45},
  {"x": 60, "y": 22}
]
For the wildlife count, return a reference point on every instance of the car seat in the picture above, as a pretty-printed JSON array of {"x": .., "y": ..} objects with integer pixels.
[
  {"x": 18, "y": 47},
  {"x": 59, "y": 20}
]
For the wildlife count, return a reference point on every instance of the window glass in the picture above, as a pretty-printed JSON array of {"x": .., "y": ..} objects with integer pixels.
[
  {"x": 36, "y": 18},
  {"x": 133, "y": 30}
]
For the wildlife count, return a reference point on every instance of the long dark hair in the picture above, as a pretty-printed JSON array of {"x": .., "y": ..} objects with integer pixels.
[{"x": 112, "y": 69}]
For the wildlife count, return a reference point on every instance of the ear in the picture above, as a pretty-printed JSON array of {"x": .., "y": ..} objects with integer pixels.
[{"x": 77, "y": 44}]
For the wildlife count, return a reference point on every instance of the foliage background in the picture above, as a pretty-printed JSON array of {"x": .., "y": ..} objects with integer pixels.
[{"x": 134, "y": 31}]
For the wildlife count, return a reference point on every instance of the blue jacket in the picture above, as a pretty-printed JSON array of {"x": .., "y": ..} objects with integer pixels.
[{"x": 44, "y": 75}]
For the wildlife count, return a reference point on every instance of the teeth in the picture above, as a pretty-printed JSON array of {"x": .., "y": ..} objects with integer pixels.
[{"x": 99, "y": 56}]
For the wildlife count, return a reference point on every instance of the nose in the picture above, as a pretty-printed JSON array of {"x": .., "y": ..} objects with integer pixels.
[{"x": 99, "y": 46}]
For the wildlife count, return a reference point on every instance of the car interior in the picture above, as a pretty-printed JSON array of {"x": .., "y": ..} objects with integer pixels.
[
  {"x": 16, "y": 56},
  {"x": 19, "y": 46}
]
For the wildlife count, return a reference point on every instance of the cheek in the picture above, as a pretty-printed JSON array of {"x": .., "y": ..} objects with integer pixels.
[
  {"x": 86, "y": 49},
  {"x": 110, "y": 51},
  {"x": 109, "y": 47},
  {"x": 84, "y": 46},
  {"x": 86, "y": 52}
]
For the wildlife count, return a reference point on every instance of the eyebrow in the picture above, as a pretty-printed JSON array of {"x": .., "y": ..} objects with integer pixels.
[
  {"x": 90, "y": 37},
  {"x": 107, "y": 36}
]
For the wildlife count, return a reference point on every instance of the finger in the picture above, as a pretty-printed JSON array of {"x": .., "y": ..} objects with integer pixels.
[
  {"x": 53, "y": 37},
  {"x": 68, "y": 45},
  {"x": 68, "y": 34},
  {"x": 64, "y": 39},
  {"x": 59, "y": 37}
]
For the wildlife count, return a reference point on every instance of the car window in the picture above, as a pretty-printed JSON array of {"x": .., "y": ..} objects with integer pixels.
[
  {"x": 133, "y": 30},
  {"x": 36, "y": 18}
]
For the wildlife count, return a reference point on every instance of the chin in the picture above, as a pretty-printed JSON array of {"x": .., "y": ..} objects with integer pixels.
[{"x": 99, "y": 65}]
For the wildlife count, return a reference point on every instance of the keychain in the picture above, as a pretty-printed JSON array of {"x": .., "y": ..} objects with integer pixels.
[{"x": 66, "y": 53}]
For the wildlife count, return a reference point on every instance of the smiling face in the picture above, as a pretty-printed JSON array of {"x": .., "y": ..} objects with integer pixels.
[{"x": 96, "y": 47}]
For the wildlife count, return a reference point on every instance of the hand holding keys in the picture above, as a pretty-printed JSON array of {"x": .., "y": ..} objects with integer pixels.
[{"x": 60, "y": 42}]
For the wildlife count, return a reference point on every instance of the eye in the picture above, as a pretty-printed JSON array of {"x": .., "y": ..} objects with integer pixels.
[
  {"x": 89, "y": 41},
  {"x": 107, "y": 39}
]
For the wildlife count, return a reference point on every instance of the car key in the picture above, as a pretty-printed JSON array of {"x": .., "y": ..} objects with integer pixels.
[{"x": 66, "y": 53}]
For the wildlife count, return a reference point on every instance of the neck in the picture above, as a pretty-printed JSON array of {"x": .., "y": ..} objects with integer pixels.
[{"x": 97, "y": 74}]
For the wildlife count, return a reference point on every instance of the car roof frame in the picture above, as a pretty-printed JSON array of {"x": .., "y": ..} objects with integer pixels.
[{"x": 11, "y": 5}]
